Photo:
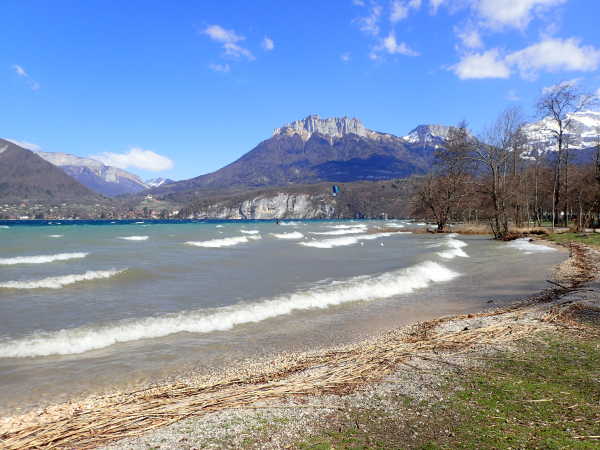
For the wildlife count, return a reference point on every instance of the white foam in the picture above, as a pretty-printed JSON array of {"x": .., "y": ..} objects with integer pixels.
[
  {"x": 289, "y": 224},
  {"x": 347, "y": 227},
  {"x": 341, "y": 231},
  {"x": 219, "y": 226},
  {"x": 41, "y": 259},
  {"x": 291, "y": 235},
  {"x": 4, "y": 227},
  {"x": 61, "y": 281},
  {"x": 56, "y": 235},
  {"x": 394, "y": 225},
  {"x": 250, "y": 231},
  {"x": 455, "y": 248},
  {"x": 225, "y": 242},
  {"x": 363, "y": 288},
  {"x": 347, "y": 240},
  {"x": 528, "y": 247},
  {"x": 134, "y": 238}
]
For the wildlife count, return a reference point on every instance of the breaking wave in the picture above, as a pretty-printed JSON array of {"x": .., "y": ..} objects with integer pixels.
[
  {"x": 250, "y": 231},
  {"x": 41, "y": 259},
  {"x": 225, "y": 242},
  {"x": 346, "y": 240},
  {"x": 56, "y": 235},
  {"x": 363, "y": 288},
  {"x": 528, "y": 247},
  {"x": 61, "y": 281},
  {"x": 4, "y": 227},
  {"x": 134, "y": 238},
  {"x": 455, "y": 248},
  {"x": 341, "y": 231},
  {"x": 291, "y": 235},
  {"x": 347, "y": 227},
  {"x": 289, "y": 224}
]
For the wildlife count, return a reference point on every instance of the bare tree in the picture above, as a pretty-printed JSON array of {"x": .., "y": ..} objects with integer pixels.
[
  {"x": 557, "y": 105},
  {"x": 440, "y": 193},
  {"x": 494, "y": 155}
]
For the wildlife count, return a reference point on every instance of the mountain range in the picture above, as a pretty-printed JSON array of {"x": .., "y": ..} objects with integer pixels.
[
  {"x": 314, "y": 150},
  {"x": 26, "y": 177}
]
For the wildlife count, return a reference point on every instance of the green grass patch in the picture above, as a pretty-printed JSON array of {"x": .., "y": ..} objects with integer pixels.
[
  {"x": 545, "y": 395},
  {"x": 591, "y": 239}
]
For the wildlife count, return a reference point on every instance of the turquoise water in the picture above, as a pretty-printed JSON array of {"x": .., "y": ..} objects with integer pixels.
[{"x": 85, "y": 307}]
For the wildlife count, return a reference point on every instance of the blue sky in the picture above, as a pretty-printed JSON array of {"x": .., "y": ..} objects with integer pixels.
[{"x": 178, "y": 89}]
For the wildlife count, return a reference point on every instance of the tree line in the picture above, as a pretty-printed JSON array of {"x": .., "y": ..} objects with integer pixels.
[{"x": 511, "y": 180}]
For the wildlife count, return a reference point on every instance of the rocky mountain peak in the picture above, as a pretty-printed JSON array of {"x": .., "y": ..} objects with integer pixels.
[
  {"x": 432, "y": 135},
  {"x": 332, "y": 127}
]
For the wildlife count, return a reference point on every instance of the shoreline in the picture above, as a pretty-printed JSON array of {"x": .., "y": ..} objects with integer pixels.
[{"x": 331, "y": 371}]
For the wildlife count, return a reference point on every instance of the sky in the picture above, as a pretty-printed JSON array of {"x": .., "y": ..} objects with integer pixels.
[{"x": 179, "y": 89}]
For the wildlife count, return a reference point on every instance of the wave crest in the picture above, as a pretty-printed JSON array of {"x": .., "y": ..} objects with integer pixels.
[
  {"x": 134, "y": 238},
  {"x": 61, "y": 281},
  {"x": 41, "y": 259},
  {"x": 362, "y": 288},
  {"x": 225, "y": 242},
  {"x": 347, "y": 240},
  {"x": 291, "y": 235}
]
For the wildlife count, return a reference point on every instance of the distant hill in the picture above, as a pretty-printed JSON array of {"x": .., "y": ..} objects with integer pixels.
[
  {"x": 314, "y": 150},
  {"x": 106, "y": 180},
  {"x": 26, "y": 177}
]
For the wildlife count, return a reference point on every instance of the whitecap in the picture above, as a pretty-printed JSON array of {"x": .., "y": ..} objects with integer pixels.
[
  {"x": 250, "y": 231},
  {"x": 340, "y": 232},
  {"x": 219, "y": 226},
  {"x": 347, "y": 240},
  {"x": 362, "y": 288},
  {"x": 134, "y": 238},
  {"x": 60, "y": 281},
  {"x": 225, "y": 242},
  {"x": 41, "y": 259},
  {"x": 56, "y": 235},
  {"x": 528, "y": 247},
  {"x": 455, "y": 248},
  {"x": 4, "y": 227},
  {"x": 292, "y": 235},
  {"x": 289, "y": 224}
]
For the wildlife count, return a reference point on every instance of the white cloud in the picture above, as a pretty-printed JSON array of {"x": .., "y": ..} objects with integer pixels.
[
  {"x": 554, "y": 55},
  {"x": 27, "y": 145},
  {"x": 482, "y": 65},
  {"x": 497, "y": 14},
  {"x": 370, "y": 24},
  {"x": 399, "y": 11},
  {"x": 268, "y": 44},
  {"x": 548, "y": 55},
  {"x": 598, "y": 93},
  {"x": 358, "y": 2},
  {"x": 219, "y": 67},
  {"x": 220, "y": 34},
  {"x": 414, "y": 4},
  {"x": 470, "y": 38},
  {"x": 390, "y": 45},
  {"x": 137, "y": 158},
  {"x": 19, "y": 70},
  {"x": 229, "y": 39},
  {"x": 345, "y": 57},
  {"x": 566, "y": 83}
]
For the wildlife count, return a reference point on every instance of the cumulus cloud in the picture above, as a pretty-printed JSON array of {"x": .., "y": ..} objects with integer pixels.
[
  {"x": 20, "y": 71},
  {"x": 219, "y": 67},
  {"x": 268, "y": 44},
  {"x": 548, "y": 55},
  {"x": 345, "y": 57},
  {"x": 470, "y": 38},
  {"x": 393, "y": 47},
  {"x": 137, "y": 158},
  {"x": 488, "y": 64},
  {"x": 554, "y": 55},
  {"x": 498, "y": 14},
  {"x": 229, "y": 40},
  {"x": 434, "y": 5},
  {"x": 27, "y": 145}
]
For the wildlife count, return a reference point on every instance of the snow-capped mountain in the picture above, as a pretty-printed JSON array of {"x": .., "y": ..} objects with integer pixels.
[
  {"x": 428, "y": 135},
  {"x": 156, "y": 182},
  {"x": 106, "y": 180},
  {"x": 583, "y": 133}
]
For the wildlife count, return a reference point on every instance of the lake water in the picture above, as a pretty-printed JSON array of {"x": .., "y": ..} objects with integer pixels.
[{"x": 84, "y": 308}]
